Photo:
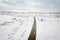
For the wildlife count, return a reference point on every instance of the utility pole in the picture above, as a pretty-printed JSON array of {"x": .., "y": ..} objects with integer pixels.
[{"x": 33, "y": 31}]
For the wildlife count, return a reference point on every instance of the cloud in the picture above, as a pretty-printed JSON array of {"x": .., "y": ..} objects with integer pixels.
[
  {"x": 32, "y": 5},
  {"x": 49, "y": 5}
]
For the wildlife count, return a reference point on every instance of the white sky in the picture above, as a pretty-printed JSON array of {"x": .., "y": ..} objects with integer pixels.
[{"x": 31, "y": 5}]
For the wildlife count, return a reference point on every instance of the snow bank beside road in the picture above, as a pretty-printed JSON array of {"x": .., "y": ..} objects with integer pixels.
[
  {"x": 15, "y": 28},
  {"x": 48, "y": 27}
]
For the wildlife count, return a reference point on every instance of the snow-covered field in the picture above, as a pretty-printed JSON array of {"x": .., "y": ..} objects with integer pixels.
[
  {"x": 48, "y": 28},
  {"x": 15, "y": 28}
]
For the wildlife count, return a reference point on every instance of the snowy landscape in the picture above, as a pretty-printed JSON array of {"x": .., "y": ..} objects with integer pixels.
[
  {"x": 18, "y": 26},
  {"x": 15, "y": 28},
  {"x": 29, "y": 19},
  {"x": 48, "y": 27}
]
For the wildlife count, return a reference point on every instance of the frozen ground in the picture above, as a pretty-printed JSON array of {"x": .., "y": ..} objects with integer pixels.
[
  {"x": 48, "y": 28},
  {"x": 15, "y": 28}
]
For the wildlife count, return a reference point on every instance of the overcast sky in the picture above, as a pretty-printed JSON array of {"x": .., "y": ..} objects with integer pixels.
[{"x": 31, "y": 5}]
